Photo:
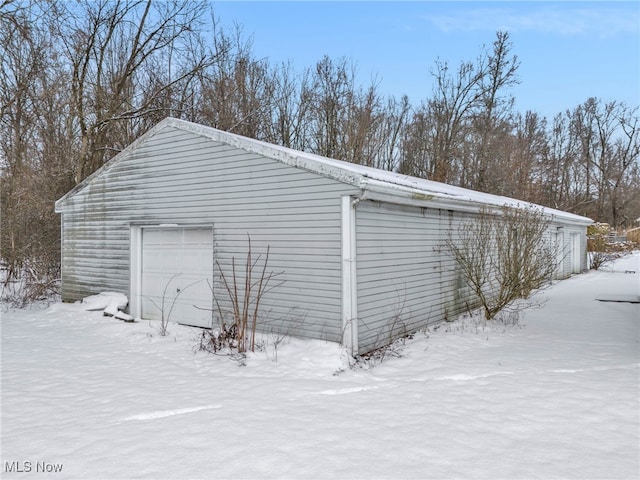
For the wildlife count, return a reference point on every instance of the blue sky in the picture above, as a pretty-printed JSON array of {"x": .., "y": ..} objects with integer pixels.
[{"x": 569, "y": 51}]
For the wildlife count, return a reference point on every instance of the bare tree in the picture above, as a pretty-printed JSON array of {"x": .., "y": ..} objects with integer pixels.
[
  {"x": 457, "y": 135},
  {"x": 237, "y": 89},
  {"x": 619, "y": 169},
  {"x": 455, "y": 98},
  {"x": 608, "y": 136},
  {"x": 332, "y": 85},
  {"x": 492, "y": 122},
  {"x": 289, "y": 124},
  {"x": 33, "y": 146},
  {"x": 419, "y": 143},
  {"x": 394, "y": 124},
  {"x": 519, "y": 174},
  {"x": 107, "y": 45},
  {"x": 556, "y": 171}
]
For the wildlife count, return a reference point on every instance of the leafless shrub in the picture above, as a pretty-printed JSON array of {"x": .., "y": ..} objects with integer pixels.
[
  {"x": 633, "y": 236},
  {"x": 245, "y": 294},
  {"x": 601, "y": 252},
  {"x": 599, "y": 259},
  {"x": 503, "y": 256},
  {"x": 218, "y": 339},
  {"x": 27, "y": 286},
  {"x": 224, "y": 339}
]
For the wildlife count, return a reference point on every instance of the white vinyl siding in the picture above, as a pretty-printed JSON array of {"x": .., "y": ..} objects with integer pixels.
[
  {"x": 571, "y": 244},
  {"x": 398, "y": 271},
  {"x": 406, "y": 278}
]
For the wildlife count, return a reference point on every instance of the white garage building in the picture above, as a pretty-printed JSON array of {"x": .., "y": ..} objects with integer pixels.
[{"x": 360, "y": 249}]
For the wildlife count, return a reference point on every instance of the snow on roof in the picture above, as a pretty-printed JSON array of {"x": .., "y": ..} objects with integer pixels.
[{"x": 374, "y": 183}]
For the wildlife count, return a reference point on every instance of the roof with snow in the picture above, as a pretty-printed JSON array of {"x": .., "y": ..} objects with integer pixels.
[{"x": 374, "y": 183}]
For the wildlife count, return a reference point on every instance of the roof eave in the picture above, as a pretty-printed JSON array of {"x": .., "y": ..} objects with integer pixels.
[{"x": 384, "y": 192}]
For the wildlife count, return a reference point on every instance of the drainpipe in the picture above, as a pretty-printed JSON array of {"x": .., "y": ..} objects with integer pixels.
[{"x": 349, "y": 281}]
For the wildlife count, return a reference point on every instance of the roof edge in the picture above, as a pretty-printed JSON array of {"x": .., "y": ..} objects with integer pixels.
[{"x": 379, "y": 191}]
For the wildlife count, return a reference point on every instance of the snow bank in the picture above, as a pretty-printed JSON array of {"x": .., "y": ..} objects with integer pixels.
[
  {"x": 110, "y": 302},
  {"x": 556, "y": 397}
]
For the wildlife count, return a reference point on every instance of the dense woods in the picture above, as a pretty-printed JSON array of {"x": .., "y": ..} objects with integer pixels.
[{"x": 79, "y": 81}]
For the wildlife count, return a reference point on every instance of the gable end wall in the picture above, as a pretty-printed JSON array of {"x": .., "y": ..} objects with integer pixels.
[{"x": 177, "y": 177}]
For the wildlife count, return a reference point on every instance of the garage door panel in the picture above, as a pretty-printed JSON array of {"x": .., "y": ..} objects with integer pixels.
[
  {"x": 177, "y": 269},
  {"x": 152, "y": 260},
  {"x": 172, "y": 236},
  {"x": 153, "y": 237},
  {"x": 196, "y": 261},
  {"x": 171, "y": 262},
  {"x": 200, "y": 236}
]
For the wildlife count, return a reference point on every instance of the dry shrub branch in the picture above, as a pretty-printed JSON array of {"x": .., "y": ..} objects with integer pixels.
[
  {"x": 245, "y": 288},
  {"x": 503, "y": 255}
]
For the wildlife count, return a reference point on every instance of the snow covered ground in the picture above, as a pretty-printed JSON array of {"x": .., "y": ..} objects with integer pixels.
[{"x": 556, "y": 397}]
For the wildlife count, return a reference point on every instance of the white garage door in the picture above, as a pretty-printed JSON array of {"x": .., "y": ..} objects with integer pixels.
[{"x": 176, "y": 271}]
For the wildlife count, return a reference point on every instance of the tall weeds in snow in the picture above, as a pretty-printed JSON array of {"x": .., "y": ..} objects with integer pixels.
[
  {"x": 28, "y": 285},
  {"x": 245, "y": 289}
]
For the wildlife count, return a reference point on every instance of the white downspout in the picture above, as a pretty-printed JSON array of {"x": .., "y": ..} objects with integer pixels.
[{"x": 349, "y": 285}]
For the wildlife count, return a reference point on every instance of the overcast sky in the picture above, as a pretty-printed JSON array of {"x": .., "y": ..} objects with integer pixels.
[{"x": 569, "y": 51}]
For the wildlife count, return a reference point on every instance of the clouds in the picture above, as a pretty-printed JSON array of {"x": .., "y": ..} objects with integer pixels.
[{"x": 604, "y": 20}]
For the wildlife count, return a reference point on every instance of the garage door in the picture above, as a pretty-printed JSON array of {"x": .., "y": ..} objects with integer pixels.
[{"x": 176, "y": 271}]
